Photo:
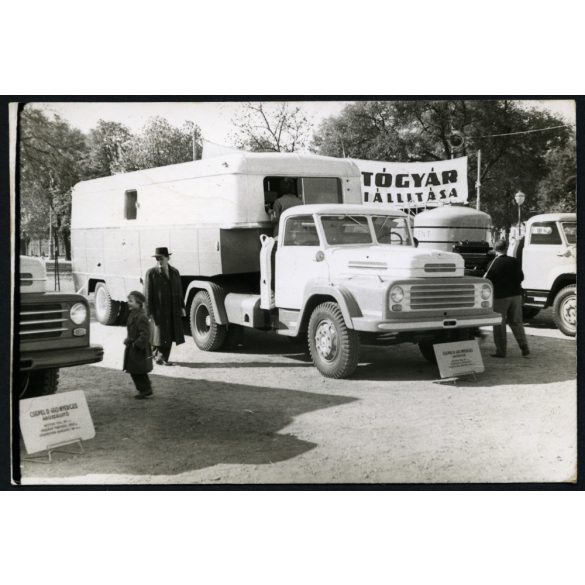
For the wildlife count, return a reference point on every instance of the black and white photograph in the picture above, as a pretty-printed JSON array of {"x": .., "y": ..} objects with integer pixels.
[{"x": 295, "y": 292}]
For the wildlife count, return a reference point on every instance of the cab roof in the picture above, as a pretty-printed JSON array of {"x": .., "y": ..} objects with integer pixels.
[
  {"x": 342, "y": 208},
  {"x": 553, "y": 217}
]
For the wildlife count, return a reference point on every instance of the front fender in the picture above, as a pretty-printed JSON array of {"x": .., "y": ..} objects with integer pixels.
[{"x": 344, "y": 298}]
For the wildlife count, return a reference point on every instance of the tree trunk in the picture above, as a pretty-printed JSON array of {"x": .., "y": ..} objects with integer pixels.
[{"x": 66, "y": 233}]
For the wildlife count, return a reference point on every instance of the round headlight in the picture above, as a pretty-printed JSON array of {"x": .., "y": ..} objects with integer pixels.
[
  {"x": 486, "y": 291},
  {"x": 396, "y": 294},
  {"x": 78, "y": 313}
]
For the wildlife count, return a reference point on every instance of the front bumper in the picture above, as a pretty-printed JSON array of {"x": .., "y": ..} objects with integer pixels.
[
  {"x": 426, "y": 323},
  {"x": 60, "y": 358}
]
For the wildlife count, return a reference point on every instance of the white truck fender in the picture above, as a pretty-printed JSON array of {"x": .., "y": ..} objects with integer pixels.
[
  {"x": 216, "y": 294},
  {"x": 346, "y": 301}
]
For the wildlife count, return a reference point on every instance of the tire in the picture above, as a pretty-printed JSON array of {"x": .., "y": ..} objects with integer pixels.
[
  {"x": 39, "y": 383},
  {"x": 334, "y": 348},
  {"x": 565, "y": 310},
  {"x": 427, "y": 351},
  {"x": 106, "y": 309},
  {"x": 208, "y": 334},
  {"x": 123, "y": 313},
  {"x": 427, "y": 347},
  {"x": 529, "y": 313}
]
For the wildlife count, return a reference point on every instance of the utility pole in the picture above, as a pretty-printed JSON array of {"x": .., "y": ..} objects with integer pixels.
[{"x": 478, "y": 181}]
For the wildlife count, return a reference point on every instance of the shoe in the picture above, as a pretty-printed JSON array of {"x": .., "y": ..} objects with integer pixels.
[
  {"x": 498, "y": 355},
  {"x": 525, "y": 352},
  {"x": 159, "y": 361},
  {"x": 167, "y": 363},
  {"x": 143, "y": 396}
]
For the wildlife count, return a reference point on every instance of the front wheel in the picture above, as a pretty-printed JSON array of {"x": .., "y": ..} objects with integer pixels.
[
  {"x": 106, "y": 309},
  {"x": 39, "y": 383},
  {"x": 565, "y": 310},
  {"x": 208, "y": 334},
  {"x": 333, "y": 346}
]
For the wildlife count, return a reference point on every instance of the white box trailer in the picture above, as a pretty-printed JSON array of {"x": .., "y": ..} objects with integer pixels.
[
  {"x": 345, "y": 273},
  {"x": 208, "y": 213}
]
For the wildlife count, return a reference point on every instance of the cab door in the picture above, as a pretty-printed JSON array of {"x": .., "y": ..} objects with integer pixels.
[
  {"x": 296, "y": 261},
  {"x": 540, "y": 258}
]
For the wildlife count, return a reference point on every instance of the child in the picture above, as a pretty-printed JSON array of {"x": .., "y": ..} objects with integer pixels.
[{"x": 137, "y": 355}]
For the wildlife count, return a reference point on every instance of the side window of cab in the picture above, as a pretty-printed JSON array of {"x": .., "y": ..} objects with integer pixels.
[
  {"x": 545, "y": 233},
  {"x": 300, "y": 231}
]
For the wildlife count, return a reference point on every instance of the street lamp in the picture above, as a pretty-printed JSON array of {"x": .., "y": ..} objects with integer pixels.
[{"x": 519, "y": 198}]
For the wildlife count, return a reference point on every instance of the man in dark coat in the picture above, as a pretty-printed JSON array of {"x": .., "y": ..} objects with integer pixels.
[
  {"x": 165, "y": 305},
  {"x": 507, "y": 276}
]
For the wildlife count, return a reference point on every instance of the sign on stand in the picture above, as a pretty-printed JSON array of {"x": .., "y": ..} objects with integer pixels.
[
  {"x": 48, "y": 422},
  {"x": 458, "y": 358}
]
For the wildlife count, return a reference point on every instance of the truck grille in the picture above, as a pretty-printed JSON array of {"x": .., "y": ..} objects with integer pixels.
[
  {"x": 441, "y": 296},
  {"x": 440, "y": 267},
  {"x": 43, "y": 321}
]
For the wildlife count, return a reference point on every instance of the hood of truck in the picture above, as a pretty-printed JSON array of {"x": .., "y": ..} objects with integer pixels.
[
  {"x": 32, "y": 275},
  {"x": 394, "y": 262}
]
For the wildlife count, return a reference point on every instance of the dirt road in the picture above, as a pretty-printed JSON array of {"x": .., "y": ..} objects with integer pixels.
[{"x": 263, "y": 414}]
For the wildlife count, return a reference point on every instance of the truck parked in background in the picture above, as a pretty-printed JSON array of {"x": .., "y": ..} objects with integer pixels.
[
  {"x": 548, "y": 253},
  {"x": 53, "y": 331},
  {"x": 345, "y": 273}
]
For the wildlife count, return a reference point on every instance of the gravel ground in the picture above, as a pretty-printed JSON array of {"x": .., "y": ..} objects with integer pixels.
[{"x": 263, "y": 414}]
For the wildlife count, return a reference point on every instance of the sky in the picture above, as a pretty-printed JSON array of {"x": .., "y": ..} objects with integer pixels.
[{"x": 215, "y": 118}]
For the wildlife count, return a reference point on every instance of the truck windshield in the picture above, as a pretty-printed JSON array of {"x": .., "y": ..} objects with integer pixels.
[
  {"x": 346, "y": 229},
  {"x": 570, "y": 230},
  {"x": 391, "y": 230}
]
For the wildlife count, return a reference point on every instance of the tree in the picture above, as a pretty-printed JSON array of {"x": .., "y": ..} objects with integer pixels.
[
  {"x": 423, "y": 131},
  {"x": 266, "y": 127},
  {"x": 557, "y": 192},
  {"x": 51, "y": 157},
  {"x": 159, "y": 144},
  {"x": 107, "y": 143}
]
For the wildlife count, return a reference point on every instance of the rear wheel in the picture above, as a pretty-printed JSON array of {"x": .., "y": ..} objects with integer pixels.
[
  {"x": 208, "y": 334},
  {"x": 106, "y": 309},
  {"x": 333, "y": 346},
  {"x": 123, "y": 313},
  {"x": 565, "y": 310},
  {"x": 39, "y": 383}
]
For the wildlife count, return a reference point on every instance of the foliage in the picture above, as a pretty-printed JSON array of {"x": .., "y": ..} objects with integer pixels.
[
  {"x": 51, "y": 160},
  {"x": 277, "y": 127},
  {"x": 160, "y": 144},
  {"x": 421, "y": 131},
  {"x": 557, "y": 192},
  {"x": 108, "y": 143}
]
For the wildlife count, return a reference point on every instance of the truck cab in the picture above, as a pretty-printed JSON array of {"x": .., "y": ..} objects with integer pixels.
[
  {"x": 548, "y": 253},
  {"x": 53, "y": 332},
  {"x": 350, "y": 274}
]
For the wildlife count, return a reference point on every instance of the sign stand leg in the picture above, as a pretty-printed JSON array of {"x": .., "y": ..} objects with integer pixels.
[{"x": 57, "y": 448}]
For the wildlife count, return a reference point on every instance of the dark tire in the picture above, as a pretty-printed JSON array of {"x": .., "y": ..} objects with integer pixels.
[
  {"x": 106, "y": 309},
  {"x": 427, "y": 347},
  {"x": 39, "y": 383},
  {"x": 427, "y": 351},
  {"x": 208, "y": 334},
  {"x": 529, "y": 313},
  {"x": 123, "y": 313},
  {"x": 334, "y": 348},
  {"x": 565, "y": 310}
]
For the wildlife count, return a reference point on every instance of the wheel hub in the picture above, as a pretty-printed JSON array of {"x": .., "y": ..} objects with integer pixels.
[
  {"x": 569, "y": 311},
  {"x": 326, "y": 341}
]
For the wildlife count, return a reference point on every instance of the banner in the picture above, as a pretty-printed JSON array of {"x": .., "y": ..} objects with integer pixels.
[{"x": 420, "y": 184}]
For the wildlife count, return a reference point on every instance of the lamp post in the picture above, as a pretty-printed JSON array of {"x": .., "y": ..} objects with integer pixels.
[{"x": 519, "y": 198}]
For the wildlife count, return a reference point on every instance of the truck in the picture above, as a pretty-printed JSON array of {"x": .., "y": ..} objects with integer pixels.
[
  {"x": 548, "y": 253},
  {"x": 344, "y": 273},
  {"x": 53, "y": 332}
]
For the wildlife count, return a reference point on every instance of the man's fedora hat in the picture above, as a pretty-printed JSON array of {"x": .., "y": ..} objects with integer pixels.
[{"x": 161, "y": 252}]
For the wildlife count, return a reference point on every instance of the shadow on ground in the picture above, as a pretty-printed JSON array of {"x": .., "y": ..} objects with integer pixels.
[{"x": 188, "y": 425}]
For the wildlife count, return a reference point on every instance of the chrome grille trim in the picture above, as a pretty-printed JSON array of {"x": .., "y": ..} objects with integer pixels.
[
  {"x": 43, "y": 312},
  {"x": 36, "y": 331},
  {"x": 366, "y": 264},
  {"x": 441, "y": 296},
  {"x": 44, "y": 321},
  {"x": 438, "y": 267}
]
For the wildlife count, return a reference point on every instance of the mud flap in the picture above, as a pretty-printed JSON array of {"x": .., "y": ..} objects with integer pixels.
[{"x": 266, "y": 293}]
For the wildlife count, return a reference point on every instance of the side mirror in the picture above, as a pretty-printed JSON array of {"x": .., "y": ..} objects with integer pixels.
[{"x": 415, "y": 242}]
